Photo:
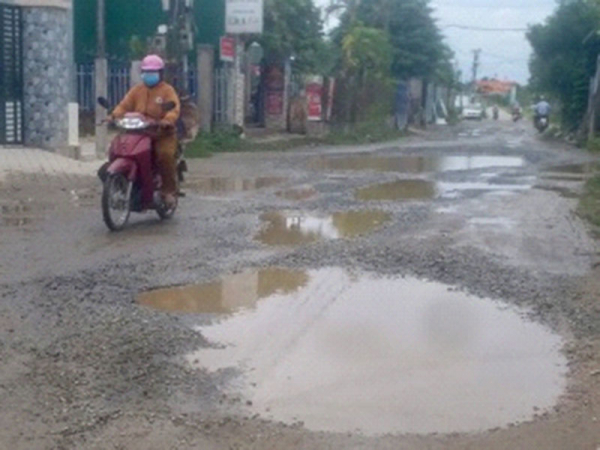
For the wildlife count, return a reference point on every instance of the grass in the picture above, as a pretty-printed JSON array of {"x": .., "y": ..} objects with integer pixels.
[
  {"x": 589, "y": 204},
  {"x": 593, "y": 145},
  {"x": 223, "y": 141},
  {"x": 206, "y": 144},
  {"x": 363, "y": 133}
]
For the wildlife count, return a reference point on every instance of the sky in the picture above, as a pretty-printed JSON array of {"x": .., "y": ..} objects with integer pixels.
[{"x": 504, "y": 54}]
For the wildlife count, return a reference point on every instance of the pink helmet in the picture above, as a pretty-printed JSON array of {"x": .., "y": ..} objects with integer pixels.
[{"x": 153, "y": 63}]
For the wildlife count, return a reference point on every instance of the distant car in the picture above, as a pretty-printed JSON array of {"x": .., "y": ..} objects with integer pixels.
[{"x": 473, "y": 111}]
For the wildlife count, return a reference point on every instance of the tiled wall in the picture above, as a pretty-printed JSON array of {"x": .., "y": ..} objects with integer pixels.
[{"x": 47, "y": 64}]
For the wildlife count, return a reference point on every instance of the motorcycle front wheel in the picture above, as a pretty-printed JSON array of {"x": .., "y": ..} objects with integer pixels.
[{"x": 116, "y": 201}]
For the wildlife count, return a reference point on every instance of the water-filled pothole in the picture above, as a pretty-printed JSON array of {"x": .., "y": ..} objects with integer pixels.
[
  {"x": 229, "y": 295},
  {"x": 298, "y": 193},
  {"x": 294, "y": 228},
  {"x": 17, "y": 214},
  {"x": 230, "y": 185},
  {"x": 563, "y": 191},
  {"x": 576, "y": 169},
  {"x": 399, "y": 190},
  {"x": 427, "y": 190},
  {"x": 342, "y": 351},
  {"x": 414, "y": 163}
]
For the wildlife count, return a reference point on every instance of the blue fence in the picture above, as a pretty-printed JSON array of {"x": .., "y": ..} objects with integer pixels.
[
  {"x": 118, "y": 85},
  {"x": 86, "y": 87},
  {"x": 119, "y": 82}
]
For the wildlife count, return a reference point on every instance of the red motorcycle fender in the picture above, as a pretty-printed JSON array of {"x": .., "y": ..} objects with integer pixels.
[{"x": 125, "y": 166}]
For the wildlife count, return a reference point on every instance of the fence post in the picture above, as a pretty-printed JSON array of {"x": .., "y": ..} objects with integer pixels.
[
  {"x": 135, "y": 74},
  {"x": 101, "y": 70},
  {"x": 594, "y": 101},
  {"x": 239, "y": 84},
  {"x": 205, "y": 89}
]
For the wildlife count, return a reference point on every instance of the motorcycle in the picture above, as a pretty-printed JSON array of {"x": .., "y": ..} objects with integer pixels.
[
  {"x": 542, "y": 123},
  {"x": 131, "y": 181},
  {"x": 516, "y": 115}
]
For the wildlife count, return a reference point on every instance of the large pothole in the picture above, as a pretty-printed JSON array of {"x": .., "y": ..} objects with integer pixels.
[
  {"x": 296, "y": 228},
  {"x": 415, "y": 164},
  {"x": 406, "y": 190},
  {"x": 343, "y": 351}
]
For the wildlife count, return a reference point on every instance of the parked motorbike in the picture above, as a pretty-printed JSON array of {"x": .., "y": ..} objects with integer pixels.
[
  {"x": 542, "y": 123},
  {"x": 130, "y": 177}
]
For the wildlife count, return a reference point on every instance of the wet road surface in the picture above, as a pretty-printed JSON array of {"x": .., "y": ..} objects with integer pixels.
[{"x": 438, "y": 292}]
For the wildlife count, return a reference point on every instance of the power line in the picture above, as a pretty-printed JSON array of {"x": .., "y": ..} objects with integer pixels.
[{"x": 470, "y": 28}]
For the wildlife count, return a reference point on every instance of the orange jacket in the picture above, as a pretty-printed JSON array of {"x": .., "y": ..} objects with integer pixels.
[{"x": 148, "y": 101}]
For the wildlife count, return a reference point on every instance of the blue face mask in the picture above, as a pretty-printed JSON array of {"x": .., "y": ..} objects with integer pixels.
[{"x": 150, "y": 79}]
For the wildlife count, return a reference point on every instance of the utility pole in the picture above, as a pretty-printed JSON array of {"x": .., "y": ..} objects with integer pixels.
[
  {"x": 180, "y": 41},
  {"x": 594, "y": 102},
  {"x": 476, "y": 54},
  {"x": 101, "y": 75},
  {"x": 101, "y": 29}
]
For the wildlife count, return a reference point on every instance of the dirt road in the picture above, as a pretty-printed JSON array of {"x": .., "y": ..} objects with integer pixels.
[{"x": 434, "y": 293}]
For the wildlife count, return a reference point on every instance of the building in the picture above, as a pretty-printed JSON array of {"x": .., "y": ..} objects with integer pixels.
[
  {"x": 36, "y": 41},
  {"x": 496, "y": 87}
]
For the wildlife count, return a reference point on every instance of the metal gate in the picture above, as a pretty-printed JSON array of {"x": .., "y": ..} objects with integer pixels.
[{"x": 11, "y": 75}]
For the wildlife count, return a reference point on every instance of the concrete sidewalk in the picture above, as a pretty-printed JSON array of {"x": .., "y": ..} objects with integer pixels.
[{"x": 20, "y": 160}]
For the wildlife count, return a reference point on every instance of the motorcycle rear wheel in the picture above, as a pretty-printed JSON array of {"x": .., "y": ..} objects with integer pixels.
[{"x": 116, "y": 201}]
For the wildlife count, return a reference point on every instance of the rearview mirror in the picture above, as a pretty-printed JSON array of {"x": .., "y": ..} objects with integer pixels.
[{"x": 102, "y": 101}]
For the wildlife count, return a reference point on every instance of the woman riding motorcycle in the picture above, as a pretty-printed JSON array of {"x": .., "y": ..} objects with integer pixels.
[{"x": 148, "y": 98}]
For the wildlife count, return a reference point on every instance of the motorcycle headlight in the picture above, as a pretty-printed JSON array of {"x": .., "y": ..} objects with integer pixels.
[{"x": 131, "y": 123}]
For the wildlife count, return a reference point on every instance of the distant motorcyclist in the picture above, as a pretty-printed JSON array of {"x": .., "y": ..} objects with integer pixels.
[
  {"x": 517, "y": 113},
  {"x": 542, "y": 111}
]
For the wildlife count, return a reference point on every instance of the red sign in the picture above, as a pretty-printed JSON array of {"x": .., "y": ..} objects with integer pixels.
[
  {"x": 275, "y": 103},
  {"x": 314, "y": 98},
  {"x": 227, "y": 49}
]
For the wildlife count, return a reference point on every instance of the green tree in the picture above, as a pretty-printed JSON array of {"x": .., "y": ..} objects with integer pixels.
[
  {"x": 564, "y": 59},
  {"x": 367, "y": 53},
  {"x": 417, "y": 43},
  {"x": 293, "y": 28},
  {"x": 366, "y": 61}
]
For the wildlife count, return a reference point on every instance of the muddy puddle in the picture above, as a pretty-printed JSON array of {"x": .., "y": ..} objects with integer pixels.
[
  {"x": 406, "y": 190},
  {"x": 298, "y": 193},
  {"x": 563, "y": 191},
  {"x": 399, "y": 190},
  {"x": 227, "y": 296},
  {"x": 88, "y": 197},
  {"x": 493, "y": 222},
  {"x": 17, "y": 214},
  {"x": 415, "y": 164},
  {"x": 342, "y": 352},
  {"x": 293, "y": 228},
  {"x": 574, "y": 169},
  {"x": 230, "y": 185}
]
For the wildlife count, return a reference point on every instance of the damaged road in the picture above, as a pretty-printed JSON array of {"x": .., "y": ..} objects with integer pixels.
[{"x": 434, "y": 293}]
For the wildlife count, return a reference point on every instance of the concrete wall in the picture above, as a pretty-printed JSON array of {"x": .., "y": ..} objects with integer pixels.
[{"x": 47, "y": 63}]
